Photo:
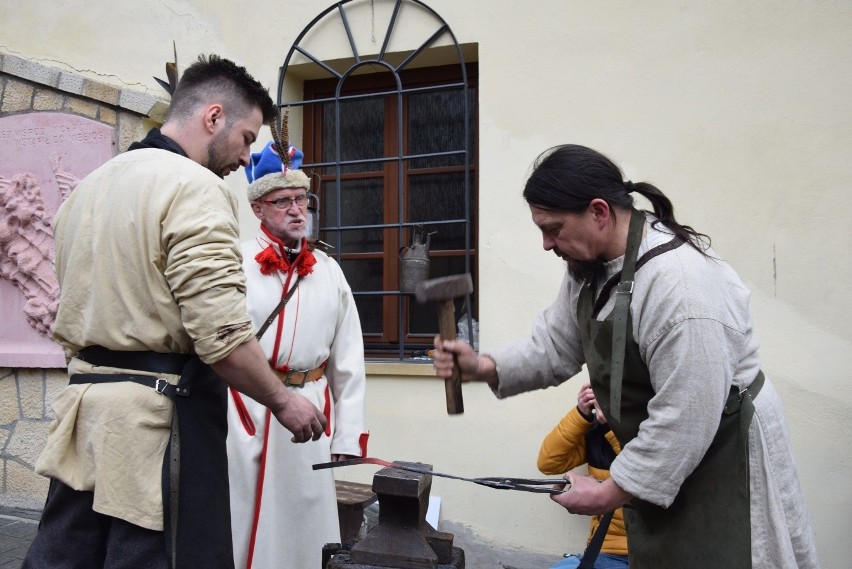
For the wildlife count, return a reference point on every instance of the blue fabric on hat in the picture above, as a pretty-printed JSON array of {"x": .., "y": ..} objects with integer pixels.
[{"x": 267, "y": 162}]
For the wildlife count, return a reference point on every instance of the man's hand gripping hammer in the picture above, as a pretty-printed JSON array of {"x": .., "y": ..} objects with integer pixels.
[{"x": 443, "y": 290}]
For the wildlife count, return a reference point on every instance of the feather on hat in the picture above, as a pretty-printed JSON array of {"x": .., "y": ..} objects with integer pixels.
[{"x": 270, "y": 169}]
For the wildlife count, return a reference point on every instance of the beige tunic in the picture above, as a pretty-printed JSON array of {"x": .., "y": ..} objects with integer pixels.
[{"x": 147, "y": 255}]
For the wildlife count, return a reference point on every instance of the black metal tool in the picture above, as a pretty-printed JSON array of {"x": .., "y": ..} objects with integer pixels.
[{"x": 496, "y": 482}]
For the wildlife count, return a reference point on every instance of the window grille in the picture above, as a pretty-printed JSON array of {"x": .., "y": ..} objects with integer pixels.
[{"x": 391, "y": 144}]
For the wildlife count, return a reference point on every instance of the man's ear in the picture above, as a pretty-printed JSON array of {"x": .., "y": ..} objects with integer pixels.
[
  {"x": 600, "y": 210},
  {"x": 214, "y": 118},
  {"x": 256, "y": 208}
]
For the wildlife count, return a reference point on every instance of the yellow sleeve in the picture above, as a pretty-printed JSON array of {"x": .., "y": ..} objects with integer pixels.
[
  {"x": 565, "y": 446},
  {"x": 613, "y": 442}
]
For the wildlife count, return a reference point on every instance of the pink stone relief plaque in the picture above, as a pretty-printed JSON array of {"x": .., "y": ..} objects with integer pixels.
[{"x": 42, "y": 158}]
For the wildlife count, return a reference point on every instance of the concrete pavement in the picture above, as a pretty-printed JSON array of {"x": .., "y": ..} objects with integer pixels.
[{"x": 17, "y": 530}]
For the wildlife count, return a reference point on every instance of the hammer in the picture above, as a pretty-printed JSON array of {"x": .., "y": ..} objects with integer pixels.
[{"x": 443, "y": 290}]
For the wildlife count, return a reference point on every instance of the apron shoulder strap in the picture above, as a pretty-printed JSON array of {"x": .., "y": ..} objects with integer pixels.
[
  {"x": 594, "y": 547},
  {"x": 621, "y": 311}
]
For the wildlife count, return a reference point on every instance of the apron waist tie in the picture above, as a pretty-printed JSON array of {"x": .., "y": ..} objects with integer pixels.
[
  {"x": 158, "y": 384},
  {"x": 153, "y": 362}
]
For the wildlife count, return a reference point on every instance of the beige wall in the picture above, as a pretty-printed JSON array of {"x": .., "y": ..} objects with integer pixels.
[{"x": 739, "y": 111}]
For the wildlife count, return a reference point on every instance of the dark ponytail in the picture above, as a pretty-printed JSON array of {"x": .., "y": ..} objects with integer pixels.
[
  {"x": 664, "y": 210},
  {"x": 570, "y": 176}
]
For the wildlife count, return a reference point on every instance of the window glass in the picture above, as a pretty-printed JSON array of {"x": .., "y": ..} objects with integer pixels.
[
  {"x": 362, "y": 204},
  {"x": 366, "y": 275},
  {"x": 362, "y": 132},
  {"x": 396, "y": 194},
  {"x": 441, "y": 197},
  {"x": 423, "y": 318},
  {"x": 436, "y": 124}
]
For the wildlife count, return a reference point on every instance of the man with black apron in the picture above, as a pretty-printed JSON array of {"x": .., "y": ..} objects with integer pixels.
[
  {"x": 664, "y": 328},
  {"x": 153, "y": 317}
]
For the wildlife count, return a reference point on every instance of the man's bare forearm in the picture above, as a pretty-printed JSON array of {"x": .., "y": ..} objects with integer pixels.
[{"x": 246, "y": 370}]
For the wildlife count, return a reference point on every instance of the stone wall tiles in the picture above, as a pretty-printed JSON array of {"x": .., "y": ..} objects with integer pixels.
[
  {"x": 55, "y": 382},
  {"x": 31, "y": 392},
  {"x": 47, "y": 100},
  {"x": 17, "y": 96},
  {"x": 24, "y": 488},
  {"x": 10, "y": 407},
  {"x": 100, "y": 92},
  {"x": 30, "y": 70},
  {"x": 27, "y": 441},
  {"x": 81, "y": 107},
  {"x": 71, "y": 83}
]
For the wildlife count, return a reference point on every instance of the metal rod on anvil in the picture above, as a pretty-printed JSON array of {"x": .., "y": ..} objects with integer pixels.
[{"x": 499, "y": 483}]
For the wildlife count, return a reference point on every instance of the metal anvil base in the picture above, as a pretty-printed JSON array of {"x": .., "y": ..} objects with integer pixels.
[{"x": 402, "y": 539}]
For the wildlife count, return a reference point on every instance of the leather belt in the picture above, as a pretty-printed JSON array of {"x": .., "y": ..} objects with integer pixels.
[
  {"x": 298, "y": 378},
  {"x": 159, "y": 385}
]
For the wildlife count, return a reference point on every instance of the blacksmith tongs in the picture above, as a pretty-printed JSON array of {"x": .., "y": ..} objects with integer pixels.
[{"x": 542, "y": 486}]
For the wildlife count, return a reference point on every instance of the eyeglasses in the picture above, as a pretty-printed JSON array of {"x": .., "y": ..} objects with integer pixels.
[{"x": 285, "y": 203}]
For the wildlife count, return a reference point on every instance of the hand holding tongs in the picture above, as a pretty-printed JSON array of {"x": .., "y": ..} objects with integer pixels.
[{"x": 523, "y": 484}]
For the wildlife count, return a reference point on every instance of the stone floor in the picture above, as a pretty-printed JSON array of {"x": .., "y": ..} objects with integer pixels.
[
  {"x": 479, "y": 554},
  {"x": 17, "y": 529}
]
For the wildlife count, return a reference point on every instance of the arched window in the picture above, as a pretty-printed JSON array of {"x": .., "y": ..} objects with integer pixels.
[{"x": 391, "y": 139}]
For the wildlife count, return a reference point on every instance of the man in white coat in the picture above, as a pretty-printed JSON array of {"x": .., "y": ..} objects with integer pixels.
[{"x": 283, "y": 511}]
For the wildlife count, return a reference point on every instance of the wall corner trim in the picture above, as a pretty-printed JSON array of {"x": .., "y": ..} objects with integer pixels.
[{"x": 133, "y": 101}]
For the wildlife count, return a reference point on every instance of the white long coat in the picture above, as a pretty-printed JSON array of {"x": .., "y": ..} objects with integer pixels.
[{"x": 297, "y": 505}]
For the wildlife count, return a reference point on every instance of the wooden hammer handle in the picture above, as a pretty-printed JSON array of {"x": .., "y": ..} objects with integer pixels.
[{"x": 447, "y": 330}]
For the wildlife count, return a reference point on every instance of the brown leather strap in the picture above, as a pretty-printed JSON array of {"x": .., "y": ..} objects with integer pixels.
[
  {"x": 298, "y": 378},
  {"x": 278, "y": 309}
]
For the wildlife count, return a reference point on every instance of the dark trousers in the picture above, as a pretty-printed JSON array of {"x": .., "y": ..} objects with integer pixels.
[{"x": 73, "y": 536}]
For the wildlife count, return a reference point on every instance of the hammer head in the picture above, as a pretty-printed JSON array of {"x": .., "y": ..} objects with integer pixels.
[{"x": 444, "y": 288}]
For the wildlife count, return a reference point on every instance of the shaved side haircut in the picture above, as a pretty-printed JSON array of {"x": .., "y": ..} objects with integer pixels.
[{"x": 214, "y": 78}]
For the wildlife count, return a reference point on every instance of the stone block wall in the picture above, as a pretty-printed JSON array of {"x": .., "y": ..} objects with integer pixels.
[
  {"x": 26, "y": 393},
  {"x": 26, "y": 86},
  {"x": 25, "y": 416}
]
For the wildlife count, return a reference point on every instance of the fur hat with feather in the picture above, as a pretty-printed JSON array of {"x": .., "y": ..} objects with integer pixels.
[{"x": 271, "y": 169}]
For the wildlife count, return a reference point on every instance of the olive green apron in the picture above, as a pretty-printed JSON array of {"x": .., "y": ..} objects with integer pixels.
[{"x": 708, "y": 524}]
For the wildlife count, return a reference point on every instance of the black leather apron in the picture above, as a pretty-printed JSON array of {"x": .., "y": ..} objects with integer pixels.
[
  {"x": 708, "y": 524},
  {"x": 197, "y": 515}
]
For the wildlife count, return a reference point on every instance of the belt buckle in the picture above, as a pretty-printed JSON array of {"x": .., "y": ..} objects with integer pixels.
[
  {"x": 160, "y": 385},
  {"x": 625, "y": 287},
  {"x": 294, "y": 372}
]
